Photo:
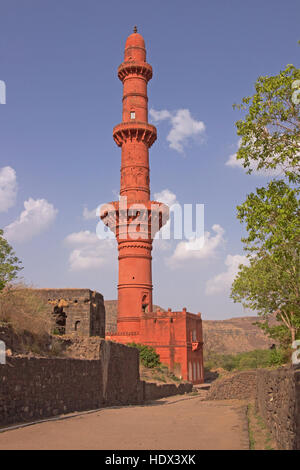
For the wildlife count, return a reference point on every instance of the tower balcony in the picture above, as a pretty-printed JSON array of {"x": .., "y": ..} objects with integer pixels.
[
  {"x": 134, "y": 130},
  {"x": 135, "y": 68},
  {"x": 137, "y": 221}
]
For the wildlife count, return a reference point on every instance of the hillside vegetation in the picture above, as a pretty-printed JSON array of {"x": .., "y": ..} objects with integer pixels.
[{"x": 259, "y": 358}]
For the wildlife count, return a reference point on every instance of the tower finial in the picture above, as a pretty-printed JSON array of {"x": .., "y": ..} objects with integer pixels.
[{"x": 135, "y": 29}]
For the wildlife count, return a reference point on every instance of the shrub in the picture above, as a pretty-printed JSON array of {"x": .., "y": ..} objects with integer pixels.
[
  {"x": 148, "y": 357},
  {"x": 278, "y": 357}
]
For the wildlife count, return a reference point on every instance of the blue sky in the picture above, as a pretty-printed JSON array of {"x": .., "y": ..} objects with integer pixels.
[{"x": 59, "y": 61}]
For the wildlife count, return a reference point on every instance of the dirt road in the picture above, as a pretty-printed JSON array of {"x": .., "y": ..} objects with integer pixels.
[{"x": 174, "y": 423}]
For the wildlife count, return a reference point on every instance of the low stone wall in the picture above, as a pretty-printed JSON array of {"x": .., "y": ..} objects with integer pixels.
[
  {"x": 240, "y": 385},
  {"x": 34, "y": 388},
  {"x": 37, "y": 388},
  {"x": 278, "y": 402},
  {"x": 153, "y": 391}
]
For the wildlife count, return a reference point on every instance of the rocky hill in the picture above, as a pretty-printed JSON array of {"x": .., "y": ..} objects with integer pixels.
[
  {"x": 221, "y": 336},
  {"x": 234, "y": 335}
]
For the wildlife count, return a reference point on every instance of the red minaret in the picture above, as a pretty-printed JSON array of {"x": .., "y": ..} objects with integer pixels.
[{"x": 134, "y": 219}]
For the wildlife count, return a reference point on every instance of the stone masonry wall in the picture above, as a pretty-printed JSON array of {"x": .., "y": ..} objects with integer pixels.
[
  {"x": 82, "y": 310},
  {"x": 34, "y": 388},
  {"x": 120, "y": 372},
  {"x": 278, "y": 402},
  {"x": 241, "y": 385},
  {"x": 154, "y": 391},
  {"x": 37, "y": 388},
  {"x": 80, "y": 347}
]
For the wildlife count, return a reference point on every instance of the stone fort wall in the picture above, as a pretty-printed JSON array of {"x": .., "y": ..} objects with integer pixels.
[
  {"x": 278, "y": 402},
  {"x": 35, "y": 388}
]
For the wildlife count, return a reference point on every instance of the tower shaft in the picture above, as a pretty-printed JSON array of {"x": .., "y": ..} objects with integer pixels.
[{"x": 136, "y": 215}]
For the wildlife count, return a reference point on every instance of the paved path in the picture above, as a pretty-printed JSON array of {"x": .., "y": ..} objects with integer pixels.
[{"x": 174, "y": 423}]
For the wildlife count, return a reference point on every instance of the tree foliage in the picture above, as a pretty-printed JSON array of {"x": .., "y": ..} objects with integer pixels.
[
  {"x": 270, "y": 140},
  {"x": 9, "y": 263},
  {"x": 271, "y": 287},
  {"x": 270, "y": 130},
  {"x": 271, "y": 283},
  {"x": 272, "y": 218}
]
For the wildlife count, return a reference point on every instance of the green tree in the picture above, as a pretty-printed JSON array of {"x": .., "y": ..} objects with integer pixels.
[
  {"x": 270, "y": 130},
  {"x": 270, "y": 139},
  {"x": 271, "y": 283},
  {"x": 271, "y": 287},
  {"x": 9, "y": 263},
  {"x": 272, "y": 218}
]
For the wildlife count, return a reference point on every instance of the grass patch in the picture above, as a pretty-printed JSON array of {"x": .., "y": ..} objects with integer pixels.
[{"x": 259, "y": 436}]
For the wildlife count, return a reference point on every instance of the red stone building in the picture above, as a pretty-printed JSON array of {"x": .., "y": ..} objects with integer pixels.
[{"x": 135, "y": 219}]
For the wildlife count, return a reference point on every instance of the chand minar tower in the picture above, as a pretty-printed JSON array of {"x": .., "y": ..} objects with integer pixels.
[{"x": 134, "y": 219}]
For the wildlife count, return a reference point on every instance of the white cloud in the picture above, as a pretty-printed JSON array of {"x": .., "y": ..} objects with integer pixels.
[
  {"x": 89, "y": 251},
  {"x": 34, "y": 219},
  {"x": 93, "y": 214},
  {"x": 235, "y": 163},
  {"x": 184, "y": 127},
  {"x": 85, "y": 237},
  {"x": 199, "y": 248},
  {"x": 80, "y": 260},
  {"x": 166, "y": 196},
  {"x": 160, "y": 115},
  {"x": 223, "y": 281},
  {"x": 8, "y": 188}
]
